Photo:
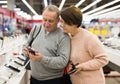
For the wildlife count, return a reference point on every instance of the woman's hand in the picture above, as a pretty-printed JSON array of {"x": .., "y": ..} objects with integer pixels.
[{"x": 78, "y": 68}]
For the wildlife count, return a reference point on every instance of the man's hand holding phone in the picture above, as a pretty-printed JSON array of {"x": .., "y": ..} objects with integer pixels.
[
  {"x": 33, "y": 54},
  {"x": 31, "y": 51}
]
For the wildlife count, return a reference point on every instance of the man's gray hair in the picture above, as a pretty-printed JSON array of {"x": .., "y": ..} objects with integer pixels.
[{"x": 52, "y": 8}]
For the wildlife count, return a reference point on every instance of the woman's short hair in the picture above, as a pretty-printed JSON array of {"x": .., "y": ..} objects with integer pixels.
[{"x": 72, "y": 15}]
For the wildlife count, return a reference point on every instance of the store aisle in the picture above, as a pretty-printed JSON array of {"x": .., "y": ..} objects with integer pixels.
[{"x": 113, "y": 78}]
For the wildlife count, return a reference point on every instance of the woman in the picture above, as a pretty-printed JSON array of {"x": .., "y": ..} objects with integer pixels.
[{"x": 86, "y": 50}]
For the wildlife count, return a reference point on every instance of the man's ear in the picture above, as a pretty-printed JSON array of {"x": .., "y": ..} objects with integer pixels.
[{"x": 58, "y": 19}]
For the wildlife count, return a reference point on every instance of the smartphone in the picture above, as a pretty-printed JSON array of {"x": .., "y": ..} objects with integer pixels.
[
  {"x": 18, "y": 63},
  {"x": 31, "y": 51},
  {"x": 12, "y": 68},
  {"x": 74, "y": 69}
]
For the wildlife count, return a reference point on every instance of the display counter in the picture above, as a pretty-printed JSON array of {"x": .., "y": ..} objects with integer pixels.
[
  {"x": 114, "y": 58},
  {"x": 19, "y": 78},
  {"x": 12, "y": 68}
]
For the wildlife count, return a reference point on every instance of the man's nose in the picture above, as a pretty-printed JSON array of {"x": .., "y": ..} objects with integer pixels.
[{"x": 47, "y": 22}]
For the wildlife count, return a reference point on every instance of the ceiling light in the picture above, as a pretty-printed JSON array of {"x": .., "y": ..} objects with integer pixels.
[
  {"x": 106, "y": 10},
  {"x": 61, "y": 5},
  {"x": 34, "y": 12},
  {"x": 115, "y": 15},
  {"x": 17, "y": 9},
  {"x": 3, "y": 2},
  {"x": 37, "y": 17},
  {"x": 90, "y": 5},
  {"x": 79, "y": 3},
  {"x": 111, "y": 13},
  {"x": 101, "y": 7},
  {"x": 46, "y": 3},
  {"x": 4, "y": 6},
  {"x": 23, "y": 14}
]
